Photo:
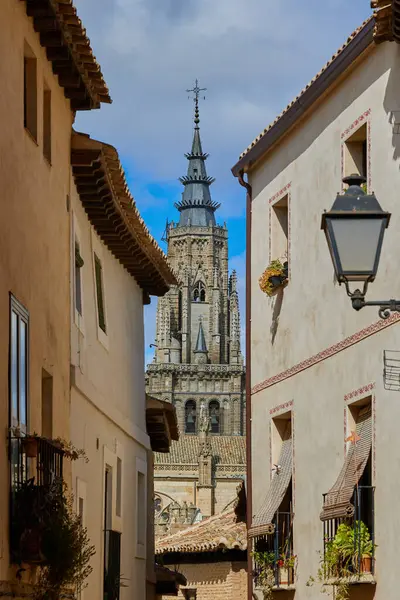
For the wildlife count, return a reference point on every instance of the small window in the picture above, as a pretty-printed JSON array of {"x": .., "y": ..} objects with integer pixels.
[
  {"x": 100, "y": 293},
  {"x": 118, "y": 508},
  {"x": 141, "y": 508},
  {"x": 190, "y": 416},
  {"x": 78, "y": 278},
  {"x": 356, "y": 153},
  {"x": 19, "y": 356},
  {"x": 214, "y": 412},
  {"x": 30, "y": 92},
  {"x": 47, "y": 123},
  {"x": 280, "y": 229},
  {"x": 47, "y": 404},
  {"x": 199, "y": 292}
]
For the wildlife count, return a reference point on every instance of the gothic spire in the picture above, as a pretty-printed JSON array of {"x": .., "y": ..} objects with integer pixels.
[
  {"x": 196, "y": 206},
  {"x": 201, "y": 345}
]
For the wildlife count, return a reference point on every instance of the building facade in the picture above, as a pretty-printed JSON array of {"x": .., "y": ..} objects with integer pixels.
[
  {"x": 41, "y": 45},
  {"x": 323, "y": 386},
  {"x": 198, "y": 365},
  {"x": 116, "y": 264}
]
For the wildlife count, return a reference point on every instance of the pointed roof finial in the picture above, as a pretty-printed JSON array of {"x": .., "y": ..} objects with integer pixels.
[{"x": 196, "y": 93}]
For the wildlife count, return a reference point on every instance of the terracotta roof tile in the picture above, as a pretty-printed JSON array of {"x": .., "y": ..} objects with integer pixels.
[
  {"x": 298, "y": 98},
  {"x": 226, "y": 450},
  {"x": 220, "y": 532}
]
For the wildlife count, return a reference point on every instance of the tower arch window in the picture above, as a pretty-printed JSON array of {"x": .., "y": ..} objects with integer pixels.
[
  {"x": 199, "y": 292},
  {"x": 190, "y": 416},
  {"x": 214, "y": 412}
]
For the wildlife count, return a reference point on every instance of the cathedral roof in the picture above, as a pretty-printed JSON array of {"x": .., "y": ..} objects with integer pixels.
[
  {"x": 196, "y": 206},
  {"x": 226, "y": 450}
]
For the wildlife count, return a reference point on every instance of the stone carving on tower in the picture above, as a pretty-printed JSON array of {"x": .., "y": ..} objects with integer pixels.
[{"x": 198, "y": 364}]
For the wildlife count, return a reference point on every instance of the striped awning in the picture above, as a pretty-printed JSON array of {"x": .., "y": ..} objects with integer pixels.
[
  {"x": 262, "y": 521},
  {"x": 337, "y": 502}
]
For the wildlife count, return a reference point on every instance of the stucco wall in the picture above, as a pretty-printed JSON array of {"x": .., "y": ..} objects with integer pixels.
[
  {"x": 313, "y": 315},
  {"x": 108, "y": 403},
  {"x": 34, "y": 237}
]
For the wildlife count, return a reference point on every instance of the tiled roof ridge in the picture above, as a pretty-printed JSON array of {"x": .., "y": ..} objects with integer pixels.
[{"x": 304, "y": 90}]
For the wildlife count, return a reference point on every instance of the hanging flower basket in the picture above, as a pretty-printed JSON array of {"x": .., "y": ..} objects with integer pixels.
[{"x": 274, "y": 276}]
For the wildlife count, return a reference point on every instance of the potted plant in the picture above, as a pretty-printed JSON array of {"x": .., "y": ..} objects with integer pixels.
[
  {"x": 286, "y": 564},
  {"x": 274, "y": 276},
  {"x": 363, "y": 548},
  {"x": 30, "y": 445},
  {"x": 264, "y": 572}
]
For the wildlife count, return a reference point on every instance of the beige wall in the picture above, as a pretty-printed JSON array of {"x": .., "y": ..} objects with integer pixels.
[
  {"x": 108, "y": 404},
  {"x": 314, "y": 314},
  {"x": 216, "y": 581},
  {"x": 34, "y": 238}
]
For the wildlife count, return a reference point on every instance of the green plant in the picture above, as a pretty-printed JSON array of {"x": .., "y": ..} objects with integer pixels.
[
  {"x": 274, "y": 269},
  {"x": 265, "y": 572}
]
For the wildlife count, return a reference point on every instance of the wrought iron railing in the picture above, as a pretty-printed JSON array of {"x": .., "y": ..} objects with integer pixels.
[
  {"x": 112, "y": 565},
  {"x": 273, "y": 554},
  {"x": 35, "y": 465},
  {"x": 349, "y": 543}
]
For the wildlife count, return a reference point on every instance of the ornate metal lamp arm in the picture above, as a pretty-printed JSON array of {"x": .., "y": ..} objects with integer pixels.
[{"x": 386, "y": 307}]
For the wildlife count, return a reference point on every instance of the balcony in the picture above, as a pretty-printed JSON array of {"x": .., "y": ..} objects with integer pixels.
[
  {"x": 274, "y": 560},
  {"x": 36, "y": 470},
  {"x": 349, "y": 546},
  {"x": 112, "y": 565}
]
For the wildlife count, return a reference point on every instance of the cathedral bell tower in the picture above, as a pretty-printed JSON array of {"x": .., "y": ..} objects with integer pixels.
[{"x": 198, "y": 365}]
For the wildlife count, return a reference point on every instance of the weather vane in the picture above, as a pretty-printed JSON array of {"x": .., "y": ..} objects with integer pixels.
[{"x": 196, "y": 93}]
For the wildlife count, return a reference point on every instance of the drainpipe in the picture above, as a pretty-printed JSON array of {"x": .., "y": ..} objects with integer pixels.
[{"x": 246, "y": 185}]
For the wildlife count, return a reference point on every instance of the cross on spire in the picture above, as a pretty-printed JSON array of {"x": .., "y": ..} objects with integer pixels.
[{"x": 196, "y": 93}]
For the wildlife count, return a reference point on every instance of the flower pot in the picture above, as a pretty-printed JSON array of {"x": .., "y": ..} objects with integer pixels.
[
  {"x": 30, "y": 446},
  {"x": 276, "y": 280},
  {"x": 366, "y": 564},
  {"x": 286, "y": 576}
]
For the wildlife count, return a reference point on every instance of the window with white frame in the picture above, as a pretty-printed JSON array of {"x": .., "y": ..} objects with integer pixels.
[{"x": 19, "y": 359}]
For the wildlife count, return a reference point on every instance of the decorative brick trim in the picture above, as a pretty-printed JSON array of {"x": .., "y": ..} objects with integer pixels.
[
  {"x": 362, "y": 391},
  {"x": 327, "y": 353},
  {"x": 281, "y": 408},
  {"x": 281, "y": 193},
  {"x": 365, "y": 117}
]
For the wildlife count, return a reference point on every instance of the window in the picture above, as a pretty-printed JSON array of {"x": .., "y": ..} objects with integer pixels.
[
  {"x": 280, "y": 229},
  {"x": 213, "y": 410},
  {"x": 19, "y": 356},
  {"x": 190, "y": 416},
  {"x": 199, "y": 292},
  {"x": 78, "y": 278},
  {"x": 100, "y": 293},
  {"x": 355, "y": 153},
  {"x": 112, "y": 543},
  {"x": 141, "y": 504},
  {"x": 47, "y": 404},
  {"x": 47, "y": 123},
  {"x": 30, "y": 92},
  {"x": 118, "y": 508}
]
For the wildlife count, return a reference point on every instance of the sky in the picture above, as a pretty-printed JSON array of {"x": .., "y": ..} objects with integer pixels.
[{"x": 253, "y": 56}]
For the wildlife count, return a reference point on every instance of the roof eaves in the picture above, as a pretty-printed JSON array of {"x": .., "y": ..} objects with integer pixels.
[{"x": 357, "y": 43}]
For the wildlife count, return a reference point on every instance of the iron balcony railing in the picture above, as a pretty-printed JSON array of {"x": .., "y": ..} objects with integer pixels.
[
  {"x": 349, "y": 543},
  {"x": 112, "y": 565},
  {"x": 274, "y": 553},
  {"x": 36, "y": 464}
]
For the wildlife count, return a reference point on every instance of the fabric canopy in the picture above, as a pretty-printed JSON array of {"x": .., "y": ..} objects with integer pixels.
[
  {"x": 262, "y": 521},
  {"x": 337, "y": 502}
]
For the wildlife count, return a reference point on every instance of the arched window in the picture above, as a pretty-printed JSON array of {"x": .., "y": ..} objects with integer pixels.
[
  {"x": 190, "y": 416},
  {"x": 213, "y": 411},
  {"x": 199, "y": 292}
]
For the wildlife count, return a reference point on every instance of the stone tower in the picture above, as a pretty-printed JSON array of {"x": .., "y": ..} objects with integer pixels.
[{"x": 198, "y": 365}]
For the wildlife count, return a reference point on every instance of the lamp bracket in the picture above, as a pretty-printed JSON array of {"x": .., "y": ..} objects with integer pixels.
[{"x": 386, "y": 307}]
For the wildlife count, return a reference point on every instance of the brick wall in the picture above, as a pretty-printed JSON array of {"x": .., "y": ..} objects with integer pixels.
[{"x": 216, "y": 581}]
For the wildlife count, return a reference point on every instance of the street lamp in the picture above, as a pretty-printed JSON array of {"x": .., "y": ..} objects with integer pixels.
[{"x": 354, "y": 229}]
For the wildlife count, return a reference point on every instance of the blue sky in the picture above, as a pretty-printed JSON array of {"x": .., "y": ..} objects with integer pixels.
[{"x": 253, "y": 56}]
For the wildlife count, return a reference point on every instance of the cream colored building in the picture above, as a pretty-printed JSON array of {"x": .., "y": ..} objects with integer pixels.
[
  {"x": 47, "y": 73},
  {"x": 115, "y": 264},
  {"x": 318, "y": 369}
]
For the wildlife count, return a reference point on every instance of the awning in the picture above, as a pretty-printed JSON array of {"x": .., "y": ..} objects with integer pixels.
[
  {"x": 338, "y": 500},
  {"x": 262, "y": 521}
]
